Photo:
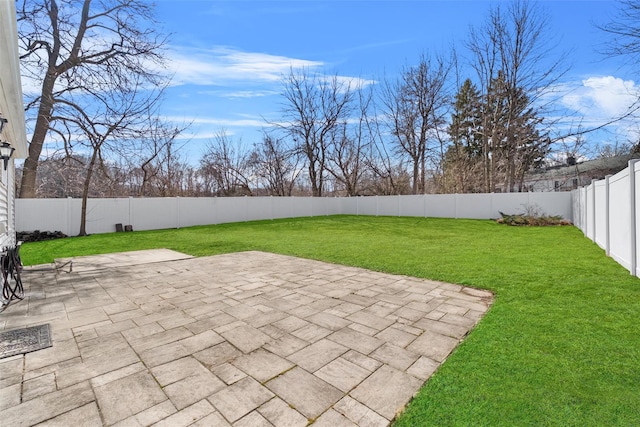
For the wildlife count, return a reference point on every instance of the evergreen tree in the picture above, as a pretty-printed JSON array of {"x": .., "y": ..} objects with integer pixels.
[
  {"x": 515, "y": 141},
  {"x": 463, "y": 156}
]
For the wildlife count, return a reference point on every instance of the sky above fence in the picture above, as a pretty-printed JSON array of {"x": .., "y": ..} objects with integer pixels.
[{"x": 228, "y": 57}]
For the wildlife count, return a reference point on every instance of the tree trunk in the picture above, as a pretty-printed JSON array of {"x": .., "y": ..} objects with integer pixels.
[
  {"x": 316, "y": 191},
  {"x": 85, "y": 194},
  {"x": 416, "y": 175},
  {"x": 30, "y": 169}
]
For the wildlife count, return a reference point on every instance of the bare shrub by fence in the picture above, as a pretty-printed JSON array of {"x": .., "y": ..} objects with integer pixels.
[
  {"x": 607, "y": 212},
  {"x": 176, "y": 212}
]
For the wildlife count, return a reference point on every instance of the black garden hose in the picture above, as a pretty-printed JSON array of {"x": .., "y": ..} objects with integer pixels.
[{"x": 10, "y": 268}]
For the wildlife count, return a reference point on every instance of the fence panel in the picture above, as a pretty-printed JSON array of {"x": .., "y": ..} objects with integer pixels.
[
  {"x": 440, "y": 205},
  {"x": 196, "y": 211},
  {"x": 578, "y": 199},
  {"x": 154, "y": 213},
  {"x": 231, "y": 209},
  {"x": 102, "y": 215},
  {"x": 301, "y": 208},
  {"x": 43, "y": 214},
  {"x": 258, "y": 208},
  {"x": 635, "y": 228},
  {"x": 318, "y": 206},
  {"x": 620, "y": 218},
  {"x": 388, "y": 205},
  {"x": 608, "y": 212},
  {"x": 601, "y": 207},
  {"x": 475, "y": 206},
  {"x": 411, "y": 205},
  {"x": 591, "y": 209},
  {"x": 283, "y": 207},
  {"x": 173, "y": 212},
  {"x": 367, "y": 205},
  {"x": 349, "y": 205},
  {"x": 553, "y": 203}
]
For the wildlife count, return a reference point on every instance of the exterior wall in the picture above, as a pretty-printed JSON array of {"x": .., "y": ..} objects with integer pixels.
[
  {"x": 175, "y": 212},
  {"x": 608, "y": 212},
  {"x": 5, "y": 211},
  {"x": 567, "y": 178},
  {"x": 11, "y": 108}
]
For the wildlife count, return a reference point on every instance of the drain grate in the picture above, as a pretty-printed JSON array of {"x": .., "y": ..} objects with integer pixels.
[{"x": 25, "y": 340}]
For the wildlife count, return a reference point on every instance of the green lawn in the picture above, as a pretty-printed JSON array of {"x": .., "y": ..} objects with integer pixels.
[{"x": 560, "y": 346}]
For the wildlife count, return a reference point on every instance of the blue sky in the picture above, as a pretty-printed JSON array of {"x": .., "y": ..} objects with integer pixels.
[{"x": 228, "y": 56}]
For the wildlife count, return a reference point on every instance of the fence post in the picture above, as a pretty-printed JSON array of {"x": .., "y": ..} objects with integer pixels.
[
  {"x": 592, "y": 186},
  {"x": 632, "y": 198},
  {"x": 455, "y": 205},
  {"x": 130, "y": 211},
  {"x": 177, "y": 212},
  {"x": 69, "y": 215},
  {"x": 607, "y": 242},
  {"x": 424, "y": 205},
  {"x": 585, "y": 211}
]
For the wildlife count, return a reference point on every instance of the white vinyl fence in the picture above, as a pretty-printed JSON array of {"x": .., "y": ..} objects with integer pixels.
[
  {"x": 176, "y": 212},
  {"x": 607, "y": 212}
]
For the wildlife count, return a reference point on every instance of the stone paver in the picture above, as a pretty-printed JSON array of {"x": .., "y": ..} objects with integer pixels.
[
  {"x": 317, "y": 354},
  {"x": 244, "y": 339},
  {"x": 280, "y": 413},
  {"x": 359, "y": 413},
  {"x": 87, "y": 415},
  {"x": 305, "y": 392},
  {"x": 342, "y": 374},
  {"x": 386, "y": 391},
  {"x": 240, "y": 398},
  {"x": 262, "y": 365},
  {"x": 127, "y": 396}
]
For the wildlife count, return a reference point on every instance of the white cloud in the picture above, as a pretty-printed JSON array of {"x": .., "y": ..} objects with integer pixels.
[
  {"x": 348, "y": 83},
  {"x": 601, "y": 105},
  {"x": 248, "y": 94},
  {"x": 223, "y": 65},
  {"x": 221, "y": 122},
  {"x": 602, "y": 98},
  {"x": 245, "y": 94}
]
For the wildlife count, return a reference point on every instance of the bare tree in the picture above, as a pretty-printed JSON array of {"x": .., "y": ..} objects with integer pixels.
[
  {"x": 624, "y": 32},
  {"x": 277, "y": 165},
  {"x": 115, "y": 117},
  {"x": 510, "y": 56},
  {"x": 64, "y": 176},
  {"x": 168, "y": 174},
  {"x": 156, "y": 161},
  {"x": 344, "y": 160},
  {"x": 350, "y": 143},
  {"x": 77, "y": 50},
  {"x": 415, "y": 106},
  {"x": 384, "y": 174},
  {"x": 225, "y": 167},
  {"x": 314, "y": 108}
]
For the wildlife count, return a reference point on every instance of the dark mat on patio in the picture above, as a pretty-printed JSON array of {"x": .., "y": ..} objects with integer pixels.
[{"x": 25, "y": 340}]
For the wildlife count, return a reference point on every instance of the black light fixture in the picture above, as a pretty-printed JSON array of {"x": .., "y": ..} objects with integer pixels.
[{"x": 6, "y": 151}]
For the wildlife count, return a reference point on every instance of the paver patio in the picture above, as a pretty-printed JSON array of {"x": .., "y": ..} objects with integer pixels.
[{"x": 242, "y": 339}]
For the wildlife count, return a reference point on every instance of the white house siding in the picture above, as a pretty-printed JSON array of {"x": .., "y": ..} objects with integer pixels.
[
  {"x": 11, "y": 107},
  {"x": 5, "y": 237}
]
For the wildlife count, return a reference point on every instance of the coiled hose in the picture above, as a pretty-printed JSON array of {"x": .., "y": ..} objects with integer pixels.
[{"x": 10, "y": 268}]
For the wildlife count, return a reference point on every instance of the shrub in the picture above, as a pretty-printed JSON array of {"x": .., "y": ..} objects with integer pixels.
[
  {"x": 532, "y": 220},
  {"x": 533, "y": 215}
]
